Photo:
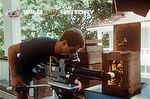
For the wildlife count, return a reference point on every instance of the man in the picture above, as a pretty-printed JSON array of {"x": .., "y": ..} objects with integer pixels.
[{"x": 23, "y": 57}]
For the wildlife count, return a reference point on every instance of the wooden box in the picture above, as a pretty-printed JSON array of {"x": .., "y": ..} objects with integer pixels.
[
  {"x": 91, "y": 58},
  {"x": 127, "y": 64},
  {"x": 91, "y": 54},
  {"x": 42, "y": 92},
  {"x": 127, "y": 37}
]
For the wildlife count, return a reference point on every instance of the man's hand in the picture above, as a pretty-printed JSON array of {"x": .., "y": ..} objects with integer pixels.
[
  {"x": 16, "y": 81},
  {"x": 79, "y": 84}
]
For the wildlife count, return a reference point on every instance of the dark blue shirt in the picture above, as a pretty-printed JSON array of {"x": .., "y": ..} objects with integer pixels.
[{"x": 32, "y": 53}]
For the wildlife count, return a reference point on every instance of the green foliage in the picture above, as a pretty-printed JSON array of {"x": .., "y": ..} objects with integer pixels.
[
  {"x": 53, "y": 24},
  {"x": 90, "y": 35},
  {"x": 105, "y": 40}
]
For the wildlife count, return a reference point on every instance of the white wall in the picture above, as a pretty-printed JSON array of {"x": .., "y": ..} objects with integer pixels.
[{"x": 4, "y": 71}]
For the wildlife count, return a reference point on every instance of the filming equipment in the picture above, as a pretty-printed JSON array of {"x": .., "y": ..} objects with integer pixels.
[
  {"x": 65, "y": 69},
  {"x": 60, "y": 71}
]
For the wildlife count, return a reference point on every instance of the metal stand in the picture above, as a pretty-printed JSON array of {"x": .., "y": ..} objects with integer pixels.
[{"x": 62, "y": 90}]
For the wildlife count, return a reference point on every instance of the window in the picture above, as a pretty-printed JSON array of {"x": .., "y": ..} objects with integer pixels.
[
  {"x": 105, "y": 39},
  {"x": 148, "y": 69},
  {"x": 142, "y": 69}
]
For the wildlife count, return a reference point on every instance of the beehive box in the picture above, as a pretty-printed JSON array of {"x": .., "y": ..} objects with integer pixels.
[
  {"x": 127, "y": 63},
  {"x": 91, "y": 58},
  {"x": 91, "y": 54},
  {"x": 127, "y": 37}
]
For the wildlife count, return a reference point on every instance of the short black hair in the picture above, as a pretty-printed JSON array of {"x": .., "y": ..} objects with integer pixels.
[{"x": 73, "y": 36}]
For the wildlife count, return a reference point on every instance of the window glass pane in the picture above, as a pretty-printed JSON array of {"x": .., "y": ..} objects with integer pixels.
[
  {"x": 142, "y": 69},
  {"x": 148, "y": 69}
]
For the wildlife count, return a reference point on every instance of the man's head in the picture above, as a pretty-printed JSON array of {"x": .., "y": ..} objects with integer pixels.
[{"x": 72, "y": 40}]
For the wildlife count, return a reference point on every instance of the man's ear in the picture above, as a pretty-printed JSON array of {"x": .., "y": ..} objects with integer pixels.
[{"x": 64, "y": 42}]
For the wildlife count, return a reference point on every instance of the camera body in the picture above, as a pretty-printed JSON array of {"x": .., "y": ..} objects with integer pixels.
[{"x": 59, "y": 69}]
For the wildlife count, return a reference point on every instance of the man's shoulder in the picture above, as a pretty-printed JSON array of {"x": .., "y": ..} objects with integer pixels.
[{"x": 44, "y": 38}]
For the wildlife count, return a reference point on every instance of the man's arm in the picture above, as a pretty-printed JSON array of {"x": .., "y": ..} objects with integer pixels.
[{"x": 12, "y": 55}]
